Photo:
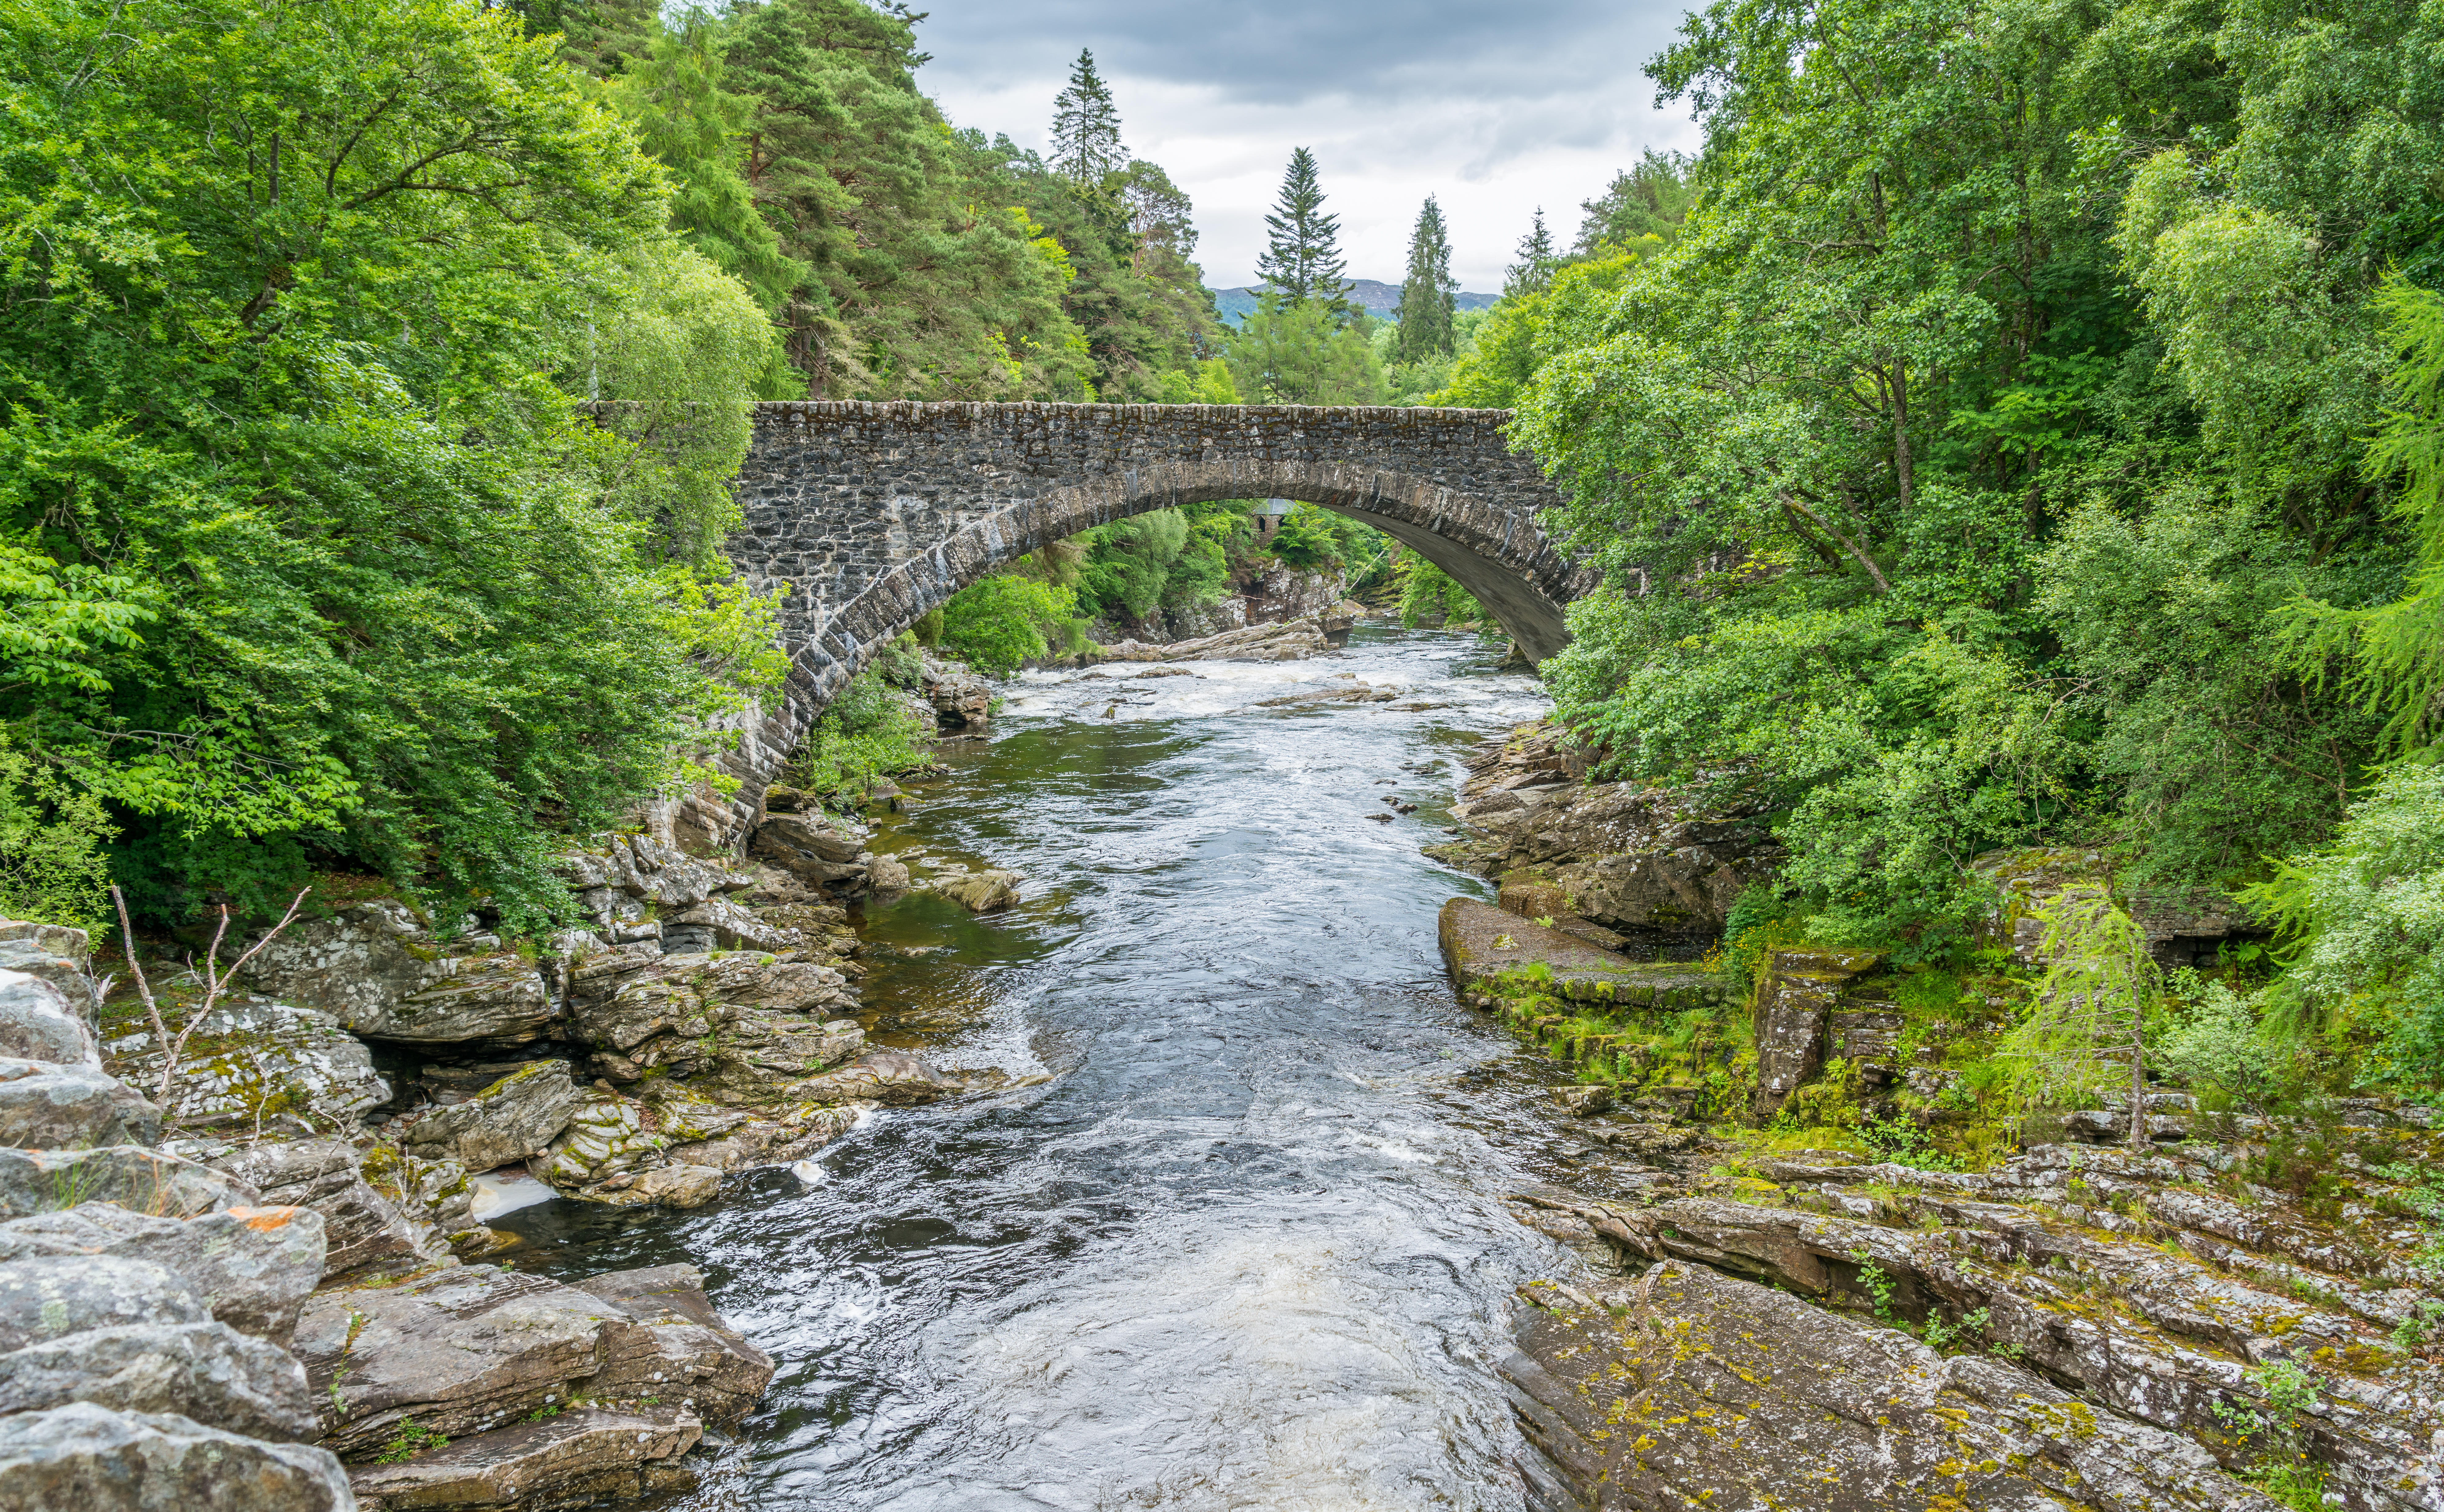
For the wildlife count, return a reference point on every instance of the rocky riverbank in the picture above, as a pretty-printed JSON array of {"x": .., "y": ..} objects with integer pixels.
[
  {"x": 1813, "y": 1275},
  {"x": 369, "y": 1089}
]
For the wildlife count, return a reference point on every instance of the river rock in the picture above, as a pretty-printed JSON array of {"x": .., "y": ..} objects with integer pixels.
[
  {"x": 515, "y": 1117},
  {"x": 683, "y": 1348},
  {"x": 57, "y": 954},
  {"x": 45, "y": 1106},
  {"x": 723, "y": 926},
  {"x": 93, "y": 1459},
  {"x": 38, "y": 1024},
  {"x": 259, "y": 1056},
  {"x": 45, "y": 1296},
  {"x": 606, "y": 1151},
  {"x": 580, "y": 1457},
  {"x": 207, "y": 1372},
  {"x": 889, "y": 877},
  {"x": 361, "y": 1226},
  {"x": 469, "y": 1350},
  {"x": 251, "y": 1267},
  {"x": 1792, "y": 1005},
  {"x": 961, "y": 701},
  {"x": 376, "y": 968},
  {"x": 894, "y": 1077},
  {"x": 140, "y": 1180},
  {"x": 809, "y": 846},
  {"x": 1481, "y": 943},
  {"x": 436, "y": 1193},
  {"x": 982, "y": 892},
  {"x": 1691, "y": 1388}
]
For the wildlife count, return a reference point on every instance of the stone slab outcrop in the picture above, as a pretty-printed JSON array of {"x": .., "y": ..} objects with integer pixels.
[
  {"x": 375, "y": 968},
  {"x": 580, "y": 1457},
  {"x": 467, "y": 1351},
  {"x": 93, "y": 1459},
  {"x": 1688, "y": 1388},
  {"x": 1481, "y": 942}
]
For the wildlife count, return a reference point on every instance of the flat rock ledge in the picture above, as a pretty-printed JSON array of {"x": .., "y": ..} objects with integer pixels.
[
  {"x": 1481, "y": 942},
  {"x": 1689, "y": 1389}
]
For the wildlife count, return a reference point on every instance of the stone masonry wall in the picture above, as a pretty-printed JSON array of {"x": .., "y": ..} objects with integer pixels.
[{"x": 875, "y": 513}]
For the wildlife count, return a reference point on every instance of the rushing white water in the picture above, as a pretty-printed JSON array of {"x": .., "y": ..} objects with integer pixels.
[{"x": 1247, "y": 1250}]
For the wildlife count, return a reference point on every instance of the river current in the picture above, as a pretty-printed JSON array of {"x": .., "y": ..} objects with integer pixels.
[{"x": 1246, "y": 1250}]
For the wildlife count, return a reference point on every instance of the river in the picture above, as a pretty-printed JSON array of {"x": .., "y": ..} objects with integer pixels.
[{"x": 1246, "y": 1249}]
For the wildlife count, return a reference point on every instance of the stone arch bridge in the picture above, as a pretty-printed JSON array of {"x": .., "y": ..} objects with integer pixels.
[{"x": 875, "y": 513}]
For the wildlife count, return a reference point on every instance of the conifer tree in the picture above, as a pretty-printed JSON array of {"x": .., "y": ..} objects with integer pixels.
[
  {"x": 1086, "y": 126},
  {"x": 1302, "y": 260},
  {"x": 1533, "y": 272},
  {"x": 1426, "y": 293}
]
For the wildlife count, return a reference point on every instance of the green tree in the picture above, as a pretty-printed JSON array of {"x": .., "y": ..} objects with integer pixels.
[
  {"x": 673, "y": 92},
  {"x": 1533, "y": 272},
  {"x": 1296, "y": 353},
  {"x": 923, "y": 281},
  {"x": 1086, "y": 126},
  {"x": 1651, "y": 199},
  {"x": 309, "y": 551},
  {"x": 1426, "y": 294},
  {"x": 1301, "y": 261}
]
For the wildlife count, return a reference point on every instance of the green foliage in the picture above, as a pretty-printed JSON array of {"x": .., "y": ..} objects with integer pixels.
[
  {"x": 1207, "y": 382},
  {"x": 293, "y": 471},
  {"x": 673, "y": 93},
  {"x": 1298, "y": 352},
  {"x": 1000, "y": 622},
  {"x": 2214, "y": 1042},
  {"x": 412, "y": 1439},
  {"x": 871, "y": 729},
  {"x": 1426, "y": 294},
  {"x": 2397, "y": 648},
  {"x": 1302, "y": 264},
  {"x": 2082, "y": 1034},
  {"x": 1430, "y": 595},
  {"x": 51, "y": 837},
  {"x": 2362, "y": 923},
  {"x": 1315, "y": 540},
  {"x": 1993, "y": 388},
  {"x": 1086, "y": 126}
]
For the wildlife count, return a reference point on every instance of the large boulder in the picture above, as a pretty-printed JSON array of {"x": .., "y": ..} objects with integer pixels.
[
  {"x": 517, "y": 1116},
  {"x": 361, "y": 1226},
  {"x": 1482, "y": 943},
  {"x": 47, "y": 1297},
  {"x": 140, "y": 1180},
  {"x": 57, "y": 954},
  {"x": 1794, "y": 1004},
  {"x": 207, "y": 1372},
  {"x": 743, "y": 1025},
  {"x": 37, "y": 1023},
  {"x": 580, "y": 1457},
  {"x": 987, "y": 891},
  {"x": 820, "y": 850},
  {"x": 890, "y": 1077},
  {"x": 1690, "y": 1388},
  {"x": 684, "y": 1349},
  {"x": 93, "y": 1459},
  {"x": 44, "y": 1106},
  {"x": 376, "y": 968},
  {"x": 961, "y": 701},
  {"x": 477, "y": 1348},
  {"x": 251, "y": 1267},
  {"x": 609, "y": 1154},
  {"x": 258, "y": 1059}
]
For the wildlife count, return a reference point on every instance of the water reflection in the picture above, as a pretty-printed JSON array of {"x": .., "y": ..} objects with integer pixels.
[{"x": 1247, "y": 1250}]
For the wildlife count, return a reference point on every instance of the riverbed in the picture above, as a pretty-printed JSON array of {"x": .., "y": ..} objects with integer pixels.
[{"x": 1246, "y": 1248}]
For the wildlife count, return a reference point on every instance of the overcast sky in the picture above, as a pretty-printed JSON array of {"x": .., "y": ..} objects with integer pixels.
[{"x": 1494, "y": 108}]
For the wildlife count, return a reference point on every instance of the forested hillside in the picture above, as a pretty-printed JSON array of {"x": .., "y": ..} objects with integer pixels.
[{"x": 2029, "y": 435}]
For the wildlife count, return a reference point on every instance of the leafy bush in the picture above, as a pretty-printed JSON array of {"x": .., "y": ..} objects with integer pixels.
[
  {"x": 1429, "y": 593},
  {"x": 1000, "y": 622},
  {"x": 871, "y": 729},
  {"x": 2362, "y": 925},
  {"x": 51, "y": 837}
]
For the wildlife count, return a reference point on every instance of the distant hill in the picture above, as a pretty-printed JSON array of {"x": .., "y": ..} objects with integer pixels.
[{"x": 1381, "y": 300}]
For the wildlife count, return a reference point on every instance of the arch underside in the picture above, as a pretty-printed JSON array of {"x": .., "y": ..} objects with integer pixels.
[{"x": 1491, "y": 548}]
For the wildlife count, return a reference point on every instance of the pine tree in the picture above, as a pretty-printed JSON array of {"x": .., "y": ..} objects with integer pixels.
[
  {"x": 1533, "y": 272},
  {"x": 1086, "y": 126},
  {"x": 1302, "y": 260},
  {"x": 1426, "y": 303}
]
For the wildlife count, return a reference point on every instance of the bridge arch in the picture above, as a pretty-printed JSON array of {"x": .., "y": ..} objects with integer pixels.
[{"x": 877, "y": 513}]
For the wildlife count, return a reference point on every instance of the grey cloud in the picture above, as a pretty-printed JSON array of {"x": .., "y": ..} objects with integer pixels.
[{"x": 1279, "y": 51}]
